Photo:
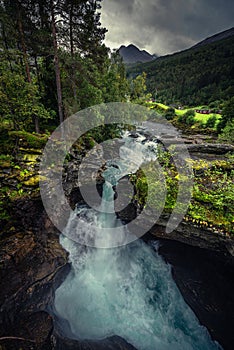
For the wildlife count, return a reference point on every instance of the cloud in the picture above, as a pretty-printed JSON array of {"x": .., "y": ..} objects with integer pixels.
[{"x": 164, "y": 26}]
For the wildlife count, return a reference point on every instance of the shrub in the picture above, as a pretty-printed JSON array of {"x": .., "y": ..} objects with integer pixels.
[
  {"x": 227, "y": 134},
  {"x": 29, "y": 140},
  {"x": 211, "y": 122},
  {"x": 170, "y": 113},
  {"x": 227, "y": 115},
  {"x": 187, "y": 117}
]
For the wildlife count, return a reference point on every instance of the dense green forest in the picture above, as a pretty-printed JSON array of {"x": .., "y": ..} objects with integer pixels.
[
  {"x": 54, "y": 62},
  {"x": 194, "y": 77}
]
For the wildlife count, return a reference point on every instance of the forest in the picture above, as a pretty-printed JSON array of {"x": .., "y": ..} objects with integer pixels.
[
  {"x": 194, "y": 77},
  {"x": 54, "y": 62}
]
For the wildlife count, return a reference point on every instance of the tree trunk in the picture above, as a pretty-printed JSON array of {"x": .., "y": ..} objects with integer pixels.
[
  {"x": 56, "y": 64},
  {"x": 72, "y": 53},
  {"x": 71, "y": 31},
  {"x": 6, "y": 46},
  {"x": 27, "y": 68},
  {"x": 24, "y": 48}
]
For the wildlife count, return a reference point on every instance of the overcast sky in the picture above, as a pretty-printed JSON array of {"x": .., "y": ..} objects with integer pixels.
[{"x": 164, "y": 26}]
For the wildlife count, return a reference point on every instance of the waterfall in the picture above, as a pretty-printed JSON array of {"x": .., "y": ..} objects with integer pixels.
[{"x": 126, "y": 291}]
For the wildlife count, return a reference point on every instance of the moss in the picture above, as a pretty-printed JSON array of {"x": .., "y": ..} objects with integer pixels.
[
  {"x": 29, "y": 140},
  {"x": 33, "y": 181},
  {"x": 4, "y": 215},
  {"x": 5, "y": 157},
  {"x": 5, "y": 164},
  {"x": 212, "y": 203},
  {"x": 30, "y": 158}
]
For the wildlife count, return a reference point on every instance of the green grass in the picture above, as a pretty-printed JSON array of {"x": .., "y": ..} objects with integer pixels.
[
  {"x": 201, "y": 118},
  {"x": 161, "y": 105}
]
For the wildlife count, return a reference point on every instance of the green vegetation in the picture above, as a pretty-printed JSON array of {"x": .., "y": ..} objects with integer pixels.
[
  {"x": 19, "y": 100},
  {"x": 19, "y": 180},
  {"x": 190, "y": 120},
  {"x": 212, "y": 203},
  {"x": 11, "y": 142},
  {"x": 227, "y": 115},
  {"x": 53, "y": 68},
  {"x": 227, "y": 134},
  {"x": 194, "y": 77}
]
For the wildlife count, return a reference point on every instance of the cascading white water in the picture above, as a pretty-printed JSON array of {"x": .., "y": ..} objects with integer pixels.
[{"x": 128, "y": 290}]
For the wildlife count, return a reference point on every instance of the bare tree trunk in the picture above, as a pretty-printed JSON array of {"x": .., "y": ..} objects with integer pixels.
[
  {"x": 37, "y": 70},
  {"x": 24, "y": 48},
  {"x": 56, "y": 64},
  {"x": 72, "y": 52},
  {"x": 71, "y": 31}
]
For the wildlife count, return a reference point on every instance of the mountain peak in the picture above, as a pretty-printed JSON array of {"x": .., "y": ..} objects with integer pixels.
[
  {"x": 131, "y": 54},
  {"x": 131, "y": 46}
]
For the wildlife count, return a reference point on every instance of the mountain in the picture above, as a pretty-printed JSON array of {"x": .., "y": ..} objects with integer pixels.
[
  {"x": 217, "y": 37},
  {"x": 196, "y": 76},
  {"x": 131, "y": 54}
]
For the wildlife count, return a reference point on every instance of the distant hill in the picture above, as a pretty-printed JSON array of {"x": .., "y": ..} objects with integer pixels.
[
  {"x": 131, "y": 54},
  {"x": 196, "y": 76},
  {"x": 217, "y": 37}
]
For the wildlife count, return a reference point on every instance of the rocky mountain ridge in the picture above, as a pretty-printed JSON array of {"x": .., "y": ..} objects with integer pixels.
[
  {"x": 216, "y": 37},
  {"x": 131, "y": 54}
]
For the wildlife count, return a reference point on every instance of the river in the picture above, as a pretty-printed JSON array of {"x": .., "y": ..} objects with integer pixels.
[{"x": 119, "y": 285}]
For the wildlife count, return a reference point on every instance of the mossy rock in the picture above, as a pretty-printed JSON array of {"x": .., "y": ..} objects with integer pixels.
[
  {"x": 33, "y": 181},
  {"x": 30, "y": 158},
  {"x": 5, "y": 164},
  {"x": 29, "y": 140},
  {"x": 31, "y": 151}
]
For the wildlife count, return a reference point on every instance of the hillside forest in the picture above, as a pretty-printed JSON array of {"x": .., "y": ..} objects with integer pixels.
[{"x": 54, "y": 62}]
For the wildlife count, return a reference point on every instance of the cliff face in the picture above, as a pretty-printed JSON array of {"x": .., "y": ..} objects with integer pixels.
[
  {"x": 33, "y": 264},
  {"x": 205, "y": 279}
]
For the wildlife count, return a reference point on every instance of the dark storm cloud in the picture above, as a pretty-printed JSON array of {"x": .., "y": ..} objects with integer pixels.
[{"x": 164, "y": 26}]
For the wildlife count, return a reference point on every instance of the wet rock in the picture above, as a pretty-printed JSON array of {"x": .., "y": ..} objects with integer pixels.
[
  {"x": 128, "y": 213},
  {"x": 206, "y": 281},
  {"x": 134, "y": 134},
  {"x": 208, "y": 148},
  {"x": 31, "y": 331},
  {"x": 6, "y": 171},
  {"x": 194, "y": 235},
  {"x": 32, "y": 265},
  {"x": 111, "y": 343}
]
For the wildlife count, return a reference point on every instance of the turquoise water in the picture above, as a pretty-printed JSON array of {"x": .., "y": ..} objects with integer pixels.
[{"x": 126, "y": 291}]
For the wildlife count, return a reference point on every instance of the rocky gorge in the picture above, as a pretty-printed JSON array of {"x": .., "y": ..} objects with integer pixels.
[{"x": 33, "y": 264}]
